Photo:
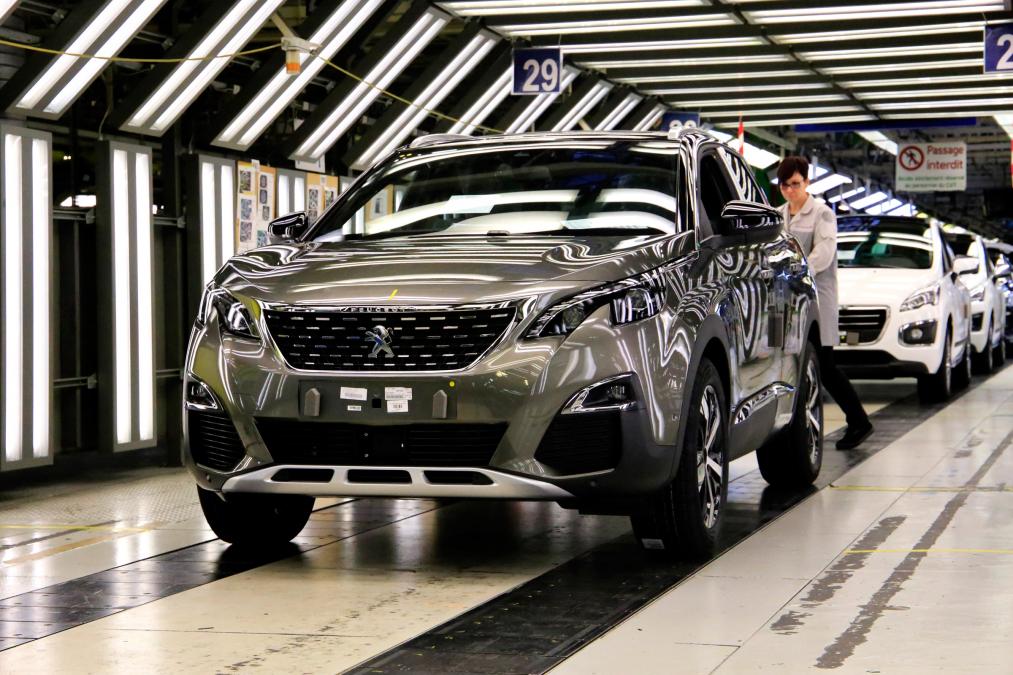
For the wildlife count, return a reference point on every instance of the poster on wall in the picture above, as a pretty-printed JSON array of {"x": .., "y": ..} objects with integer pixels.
[
  {"x": 321, "y": 191},
  {"x": 255, "y": 201}
]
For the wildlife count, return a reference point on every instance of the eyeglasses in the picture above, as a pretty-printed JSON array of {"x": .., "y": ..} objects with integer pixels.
[{"x": 794, "y": 185}]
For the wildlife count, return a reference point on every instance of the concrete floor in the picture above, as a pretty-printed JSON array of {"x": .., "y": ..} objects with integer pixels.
[{"x": 903, "y": 563}]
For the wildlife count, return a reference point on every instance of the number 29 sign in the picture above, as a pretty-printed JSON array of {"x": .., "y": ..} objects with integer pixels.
[
  {"x": 537, "y": 71},
  {"x": 998, "y": 47}
]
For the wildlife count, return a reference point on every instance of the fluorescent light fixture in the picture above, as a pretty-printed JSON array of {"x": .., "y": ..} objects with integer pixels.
[
  {"x": 127, "y": 358},
  {"x": 880, "y": 140},
  {"x": 869, "y": 200},
  {"x": 495, "y": 7},
  {"x": 877, "y": 33},
  {"x": 281, "y": 89},
  {"x": 391, "y": 64},
  {"x": 615, "y": 24},
  {"x": 719, "y": 78},
  {"x": 931, "y": 105},
  {"x": 538, "y": 105},
  {"x": 429, "y": 98},
  {"x": 26, "y": 355},
  {"x": 188, "y": 79},
  {"x": 884, "y": 207},
  {"x": 734, "y": 113},
  {"x": 900, "y": 67},
  {"x": 619, "y": 113},
  {"x": 215, "y": 208},
  {"x": 579, "y": 109},
  {"x": 982, "y": 78},
  {"x": 483, "y": 107},
  {"x": 652, "y": 45},
  {"x": 892, "y": 52},
  {"x": 930, "y": 93},
  {"x": 908, "y": 210},
  {"x": 729, "y": 102},
  {"x": 6, "y": 7},
  {"x": 828, "y": 183},
  {"x": 685, "y": 61},
  {"x": 754, "y": 156},
  {"x": 847, "y": 195},
  {"x": 291, "y": 192},
  {"x": 650, "y": 119},
  {"x": 726, "y": 89},
  {"x": 884, "y": 10},
  {"x": 1006, "y": 123},
  {"x": 104, "y": 33}
]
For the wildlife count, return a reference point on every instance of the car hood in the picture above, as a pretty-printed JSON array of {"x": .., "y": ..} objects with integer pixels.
[
  {"x": 430, "y": 270},
  {"x": 873, "y": 286}
]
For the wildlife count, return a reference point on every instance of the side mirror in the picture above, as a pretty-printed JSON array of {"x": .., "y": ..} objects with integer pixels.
[
  {"x": 287, "y": 228},
  {"x": 746, "y": 223},
  {"x": 964, "y": 264}
]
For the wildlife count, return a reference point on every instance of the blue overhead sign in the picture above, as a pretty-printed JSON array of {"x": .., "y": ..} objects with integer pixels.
[
  {"x": 678, "y": 120},
  {"x": 999, "y": 47},
  {"x": 537, "y": 71}
]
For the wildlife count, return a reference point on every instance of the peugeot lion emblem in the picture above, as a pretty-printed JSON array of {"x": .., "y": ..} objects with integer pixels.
[{"x": 381, "y": 338}]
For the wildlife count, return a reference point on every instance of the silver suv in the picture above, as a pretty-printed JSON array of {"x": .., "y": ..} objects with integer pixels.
[{"x": 604, "y": 320}]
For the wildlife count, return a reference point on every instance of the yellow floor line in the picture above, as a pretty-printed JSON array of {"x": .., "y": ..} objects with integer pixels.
[
  {"x": 109, "y": 528},
  {"x": 876, "y": 488},
  {"x": 1001, "y": 551},
  {"x": 62, "y": 549}
]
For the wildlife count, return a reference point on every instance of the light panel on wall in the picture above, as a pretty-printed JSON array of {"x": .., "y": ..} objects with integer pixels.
[
  {"x": 414, "y": 38},
  {"x": 104, "y": 30},
  {"x": 216, "y": 213},
  {"x": 126, "y": 316},
  {"x": 539, "y": 104},
  {"x": 393, "y": 131},
  {"x": 281, "y": 89},
  {"x": 291, "y": 192},
  {"x": 484, "y": 105},
  {"x": 26, "y": 306},
  {"x": 188, "y": 79},
  {"x": 581, "y": 107}
]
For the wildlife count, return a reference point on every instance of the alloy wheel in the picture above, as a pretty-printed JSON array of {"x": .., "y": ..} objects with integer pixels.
[
  {"x": 709, "y": 457},
  {"x": 947, "y": 368},
  {"x": 813, "y": 413}
]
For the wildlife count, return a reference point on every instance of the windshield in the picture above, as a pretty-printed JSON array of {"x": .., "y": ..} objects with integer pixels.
[
  {"x": 901, "y": 247},
  {"x": 608, "y": 188}
]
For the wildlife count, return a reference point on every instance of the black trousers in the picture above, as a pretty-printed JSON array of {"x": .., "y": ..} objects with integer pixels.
[{"x": 839, "y": 386}]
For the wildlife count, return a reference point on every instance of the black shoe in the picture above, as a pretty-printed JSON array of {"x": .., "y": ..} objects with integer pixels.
[{"x": 854, "y": 436}]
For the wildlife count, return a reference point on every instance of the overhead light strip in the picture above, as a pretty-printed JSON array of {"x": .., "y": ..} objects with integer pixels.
[
  {"x": 864, "y": 11},
  {"x": 846, "y": 195},
  {"x": 615, "y": 24},
  {"x": 650, "y": 119},
  {"x": 483, "y": 107},
  {"x": 281, "y": 89},
  {"x": 188, "y": 79},
  {"x": 540, "y": 103},
  {"x": 619, "y": 113},
  {"x": 344, "y": 115},
  {"x": 582, "y": 107},
  {"x": 880, "y": 140},
  {"x": 497, "y": 7}
]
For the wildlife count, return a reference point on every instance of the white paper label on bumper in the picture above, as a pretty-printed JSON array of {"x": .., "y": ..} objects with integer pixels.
[
  {"x": 397, "y": 406},
  {"x": 397, "y": 393},
  {"x": 355, "y": 408},
  {"x": 353, "y": 393}
]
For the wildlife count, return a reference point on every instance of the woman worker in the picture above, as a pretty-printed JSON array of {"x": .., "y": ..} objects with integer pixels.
[{"x": 814, "y": 225}]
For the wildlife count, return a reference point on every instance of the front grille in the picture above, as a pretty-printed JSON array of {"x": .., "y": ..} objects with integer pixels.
[
  {"x": 421, "y": 340},
  {"x": 864, "y": 357},
  {"x": 214, "y": 442},
  {"x": 340, "y": 444},
  {"x": 867, "y": 322},
  {"x": 582, "y": 442},
  {"x": 977, "y": 320}
]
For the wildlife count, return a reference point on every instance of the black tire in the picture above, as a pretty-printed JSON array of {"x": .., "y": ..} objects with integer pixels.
[
  {"x": 938, "y": 386},
  {"x": 983, "y": 363},
  {"x": 684, "y": 518},
  {"x": 999, "y": 352},
  {"x": 257, "y": 520},
  {"x": 793, "y": 456},
  {"x": 962, "y": 373}
]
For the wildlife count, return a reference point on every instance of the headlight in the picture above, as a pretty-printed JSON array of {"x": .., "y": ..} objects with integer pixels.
[
  {"x": 926, "y": 296},
  {"x": 632, "y": 299},
  {"x": 978, "y": 293},
  {"x": 233, "y": 317}
]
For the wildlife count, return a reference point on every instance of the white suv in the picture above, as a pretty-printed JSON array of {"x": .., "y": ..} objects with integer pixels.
[
  {"x": 903, "y": 310},
  {"x": 988, "y": 306}
]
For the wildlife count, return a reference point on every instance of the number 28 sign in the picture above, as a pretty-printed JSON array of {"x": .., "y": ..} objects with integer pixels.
[
  {"x": 537, "y": 71},
  {"x": 999, "y": 47}
]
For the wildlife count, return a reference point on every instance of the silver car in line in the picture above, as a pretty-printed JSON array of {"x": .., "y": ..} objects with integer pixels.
[{"x": 603, "y": 320}]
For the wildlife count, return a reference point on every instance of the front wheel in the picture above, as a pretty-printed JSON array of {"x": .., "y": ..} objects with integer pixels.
[
  {"x": 962, "y": 373},
  {"x": 938, "y": 386},
  {"x": 255, "y": 519},
  {"x": 983, "y": 362},
  {"x": 684, "y": 518},
  {"x": 999, "y": 352},
  {"x": 793, "y": 456}
]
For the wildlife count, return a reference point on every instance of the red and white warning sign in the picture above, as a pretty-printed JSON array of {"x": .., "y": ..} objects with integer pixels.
[{"x": 932, "y": 167}]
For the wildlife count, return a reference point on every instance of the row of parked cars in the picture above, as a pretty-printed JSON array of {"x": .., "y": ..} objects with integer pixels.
[
  {"x": 603, "y": 320},
  {"x": 919, "y": 302}
]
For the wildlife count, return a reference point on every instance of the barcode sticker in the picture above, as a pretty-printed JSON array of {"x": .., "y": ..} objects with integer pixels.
[
  {"x": 353, "y": 394},
  {"x": 397, "y": 393},
  {"x": 397, "y": 406},
  {"x": 355, "y": 408}
]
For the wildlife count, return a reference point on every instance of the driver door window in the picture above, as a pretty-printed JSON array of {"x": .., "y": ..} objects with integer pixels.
[{"x": 715, "y": 189}]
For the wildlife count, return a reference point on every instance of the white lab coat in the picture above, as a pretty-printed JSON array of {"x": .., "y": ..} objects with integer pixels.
[{"x": 815, "y": 228}]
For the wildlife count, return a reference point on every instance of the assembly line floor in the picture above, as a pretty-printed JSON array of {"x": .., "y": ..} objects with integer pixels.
[{"x": 900, "y": 560}]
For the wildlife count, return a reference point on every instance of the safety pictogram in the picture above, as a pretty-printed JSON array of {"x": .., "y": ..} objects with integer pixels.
[{"x": 911, "y": 158}]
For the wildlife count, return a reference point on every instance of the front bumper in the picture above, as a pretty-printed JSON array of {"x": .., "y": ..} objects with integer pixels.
[
  {"x": 520, "y": 385},
  {"x": 889, "y": 356}
]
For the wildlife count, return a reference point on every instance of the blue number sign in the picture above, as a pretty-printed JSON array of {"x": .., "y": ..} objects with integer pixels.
[
  {"x": 537, "y": 71},
  {"x": 999, "y": 47},
  {"x": 678, "y": 120}
]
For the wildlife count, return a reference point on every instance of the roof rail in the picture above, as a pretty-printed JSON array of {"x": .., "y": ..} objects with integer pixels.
[{"x": 433, "y": 139}]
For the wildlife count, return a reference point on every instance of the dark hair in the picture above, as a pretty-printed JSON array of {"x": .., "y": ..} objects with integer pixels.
[{"x": 791, "y": 165}]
